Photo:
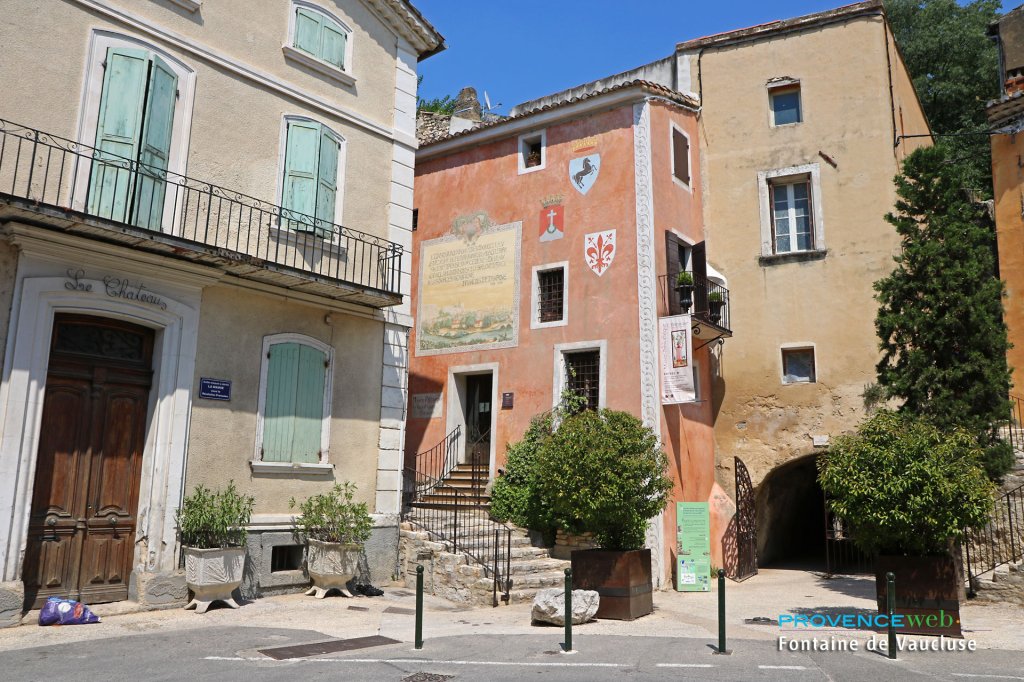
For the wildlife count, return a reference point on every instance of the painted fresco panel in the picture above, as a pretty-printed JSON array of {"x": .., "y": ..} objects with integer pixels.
[{"x": 469, "y": 290}]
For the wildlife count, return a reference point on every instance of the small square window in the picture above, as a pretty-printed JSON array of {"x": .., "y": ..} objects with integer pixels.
[
  {"x": 285, "y": 558},
  {"x": 550, "y": 295},
  {"x": 785, "y": 103},
  {"x": 798, "y": 366},
  {"x": 532, "y": 152}
]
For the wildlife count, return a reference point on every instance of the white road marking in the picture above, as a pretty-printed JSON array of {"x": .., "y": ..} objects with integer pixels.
[
  {"x": 782, "y": 667},
  {"x": 524, "y": 664},
  {"x": 685, "y": 665},
  {"x": 987, "y": 677}
]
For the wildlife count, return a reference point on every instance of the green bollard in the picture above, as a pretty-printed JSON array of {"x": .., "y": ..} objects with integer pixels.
[
  {"x": 890, "y": 598},
  {"x": 568, "y": 610},
  {"x": 419, "y": 607},
  {"x": 721, "y": 614}
]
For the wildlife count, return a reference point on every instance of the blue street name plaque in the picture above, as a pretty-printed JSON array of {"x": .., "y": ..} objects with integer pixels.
[{"x": 214, "y": 389}]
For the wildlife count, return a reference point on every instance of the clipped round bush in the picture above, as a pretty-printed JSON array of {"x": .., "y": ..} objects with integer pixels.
[
  {"x": 603, "y": 472},
  {"x": 904, "y": 487}
]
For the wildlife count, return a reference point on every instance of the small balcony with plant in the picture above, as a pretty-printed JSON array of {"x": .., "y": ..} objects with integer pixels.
[{"x": 707, "y": 301}]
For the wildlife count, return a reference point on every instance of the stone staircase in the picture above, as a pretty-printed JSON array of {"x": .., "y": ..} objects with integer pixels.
[
  {"x": 458, "y": 576},
  {"x": 469, "y": 480},
  {"x": 1003, "y": 585}
]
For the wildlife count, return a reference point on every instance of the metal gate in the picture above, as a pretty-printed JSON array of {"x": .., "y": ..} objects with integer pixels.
[
  {"x": 746, "y": 526},
  {"x": 842, "y": 556}
]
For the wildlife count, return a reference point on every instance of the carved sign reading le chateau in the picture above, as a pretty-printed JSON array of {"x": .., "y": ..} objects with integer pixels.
[{"x": 115, "y": 287}]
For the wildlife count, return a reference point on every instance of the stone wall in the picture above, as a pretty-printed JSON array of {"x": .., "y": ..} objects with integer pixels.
[
  {"x": 567, "y": 543},
  {"x": 445, "y": 574}
]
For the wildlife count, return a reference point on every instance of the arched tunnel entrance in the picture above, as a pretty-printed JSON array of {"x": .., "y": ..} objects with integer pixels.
[{"x": 790, "y": 508}]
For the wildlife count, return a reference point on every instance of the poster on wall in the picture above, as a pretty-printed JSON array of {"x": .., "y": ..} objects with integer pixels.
[
  {"x": 675, "y": 340},
  {"x": 469, "y": 290},
  {"x": 693, "y": 547}
]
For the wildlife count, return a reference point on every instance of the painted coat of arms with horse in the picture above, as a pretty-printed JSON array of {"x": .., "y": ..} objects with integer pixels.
[{"x": 583, "y": 172}]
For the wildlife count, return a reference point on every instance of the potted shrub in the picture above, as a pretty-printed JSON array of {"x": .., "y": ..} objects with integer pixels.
[
  {"x": 604, "y": 473},
  {"x": 907, "y": 491},
  {"x": 335, "y": 529},
  {"x": 715, "y": 303},
  {"x": 212, "y": 528},
  {"x": 684, "y": 285}
]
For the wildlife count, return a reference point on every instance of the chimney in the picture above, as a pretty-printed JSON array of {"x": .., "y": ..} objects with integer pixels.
[{"x": 468, "y": 105}]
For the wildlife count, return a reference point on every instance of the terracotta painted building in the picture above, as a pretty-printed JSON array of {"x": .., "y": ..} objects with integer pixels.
[
  {"x": 802, "y": 125},
  {"x": 542, "y": 252},
  {"x": 205, "y": 217}
]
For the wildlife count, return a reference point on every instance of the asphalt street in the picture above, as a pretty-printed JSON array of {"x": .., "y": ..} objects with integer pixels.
[{"x": 233, "y": 653}]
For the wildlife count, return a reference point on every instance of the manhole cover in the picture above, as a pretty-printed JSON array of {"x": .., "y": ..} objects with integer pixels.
[
  {"x": 760, "y": 620},
  {"x": 359, "y": 608},
  {"x": 426, "y": 677},
  {"x": 402, "y": 593}
]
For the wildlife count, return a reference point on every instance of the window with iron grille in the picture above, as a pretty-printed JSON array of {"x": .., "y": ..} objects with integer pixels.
[
  {"x": 550, "y": 295},
  {"x": 583, "y": 375}
]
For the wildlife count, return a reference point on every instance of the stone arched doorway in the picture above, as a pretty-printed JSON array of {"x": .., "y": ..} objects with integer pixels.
[{"x": 790, "y": 508}]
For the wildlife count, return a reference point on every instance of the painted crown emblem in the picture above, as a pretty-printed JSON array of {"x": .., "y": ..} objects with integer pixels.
[{"x": 552, "y": 200}]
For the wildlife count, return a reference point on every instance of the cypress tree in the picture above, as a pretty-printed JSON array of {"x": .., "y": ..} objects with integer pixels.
[{"x": 943, "y": 338}]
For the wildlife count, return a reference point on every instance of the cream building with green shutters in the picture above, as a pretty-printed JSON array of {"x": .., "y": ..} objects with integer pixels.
[{"x": 205, "y": 223}]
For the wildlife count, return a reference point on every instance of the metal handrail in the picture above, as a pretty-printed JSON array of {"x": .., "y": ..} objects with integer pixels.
[
  {"x": 457, "y": 520},
  {"x": 998, "y": 542},
  {"x": 51, "y": 170},
  {"x": 434, "y": 465}
]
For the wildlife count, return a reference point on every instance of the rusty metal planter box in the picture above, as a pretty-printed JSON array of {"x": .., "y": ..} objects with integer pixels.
[
  {"x": 622, "y": 579},
  {"x": 925, "y": 586}
]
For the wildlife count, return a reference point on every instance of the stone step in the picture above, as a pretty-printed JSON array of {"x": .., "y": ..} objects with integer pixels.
[
  {"x": 532, "y": 581},
  {"x": 538, "y": 566}
]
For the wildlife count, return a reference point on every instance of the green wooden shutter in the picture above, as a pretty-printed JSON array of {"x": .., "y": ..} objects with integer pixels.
[
  {"x": 307, "y": 31},
  {"x": 279, "y": 402},
  {"x": 156, "y": 144},
  {"x": 117, "y": 132},
  {"x": 327, "y": 184},
  {"x": 309, "y": 405},
  {"x": 302, "y": 152},
  {"x": 332, "y": 44}
]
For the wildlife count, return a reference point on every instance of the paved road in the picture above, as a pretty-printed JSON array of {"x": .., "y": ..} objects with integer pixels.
[{"x": 231, "y": 653}]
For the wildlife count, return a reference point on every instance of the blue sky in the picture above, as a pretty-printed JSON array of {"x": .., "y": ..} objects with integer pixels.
[{"x": 517, "y": 50}]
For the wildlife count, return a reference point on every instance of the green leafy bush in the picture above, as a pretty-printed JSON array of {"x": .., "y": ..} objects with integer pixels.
[
  {"x": 684, "y": 278},
  {"x": 516, "y": 496},
  {"x": 334, "y": 517},
  {"x": 603, "y": 472},
  {"x": 211, "y": 519},
  {"x": 998, "y": 459},
  {"x": 903, "y": 486}
]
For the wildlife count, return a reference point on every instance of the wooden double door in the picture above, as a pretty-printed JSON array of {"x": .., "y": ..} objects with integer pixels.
[{"x": 81, "y": 536}]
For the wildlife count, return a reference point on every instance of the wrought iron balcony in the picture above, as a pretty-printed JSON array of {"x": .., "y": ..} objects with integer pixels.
[
  {"x": 709, "y": 304},
  {"x": 84, "y": 190}
]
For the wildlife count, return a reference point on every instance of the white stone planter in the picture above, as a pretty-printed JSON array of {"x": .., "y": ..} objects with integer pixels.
[
  {"x": 331, "y": 565},
  {"x": 213, "y": 575}
]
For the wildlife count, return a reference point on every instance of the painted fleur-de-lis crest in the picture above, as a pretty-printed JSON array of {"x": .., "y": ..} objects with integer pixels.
[{"x": 599, "y": 250}]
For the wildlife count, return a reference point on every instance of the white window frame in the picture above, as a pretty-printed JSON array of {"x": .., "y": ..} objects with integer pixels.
[
  {"x": 673, "y": 127},
  {"x": 323, "y": 466},
  {"x": 521, "y": 150},
  {"x": 561, "y": 350},
  {"x": 344, "y": 76},
  {"x": 780, "y": 175},
  {"x": 782, "y": 364},
  {"x": 192, "y": 6},
  {"x": 535, "y": 322},
  {"x": 778, "y": 87},
  {"x": 88, "y": 117},
  {"x": 283, "y": 234}
]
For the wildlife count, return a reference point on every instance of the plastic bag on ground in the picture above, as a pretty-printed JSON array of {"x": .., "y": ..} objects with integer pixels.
[{"x": 57, "y": 611}]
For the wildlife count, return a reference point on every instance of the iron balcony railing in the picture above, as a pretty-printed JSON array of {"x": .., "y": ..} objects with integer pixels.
[
  {"x": 49, "y": 170},
  {"x": 708, "y": 300}
]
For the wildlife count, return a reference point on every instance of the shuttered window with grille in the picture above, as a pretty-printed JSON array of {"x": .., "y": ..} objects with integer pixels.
[{"x": 583, "y": 376}]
